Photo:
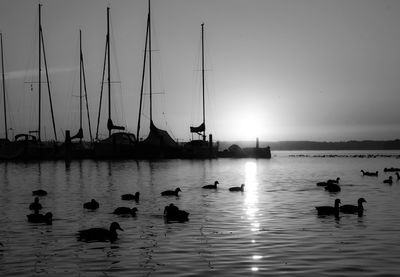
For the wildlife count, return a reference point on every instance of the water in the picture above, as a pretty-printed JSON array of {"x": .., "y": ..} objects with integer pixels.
[{"x": 270, "y": 229}]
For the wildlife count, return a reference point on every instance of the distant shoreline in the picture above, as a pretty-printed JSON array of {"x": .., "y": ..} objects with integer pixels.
[{"x": 317, "y": 145}]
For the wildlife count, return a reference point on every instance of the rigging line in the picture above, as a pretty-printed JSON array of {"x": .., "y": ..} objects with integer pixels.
[
  {"x": 86, "y": 98},
  {"x": 101, "y": 90},
  {"x": 48, "y": 87},
  {"x": 115, "y": 58}
]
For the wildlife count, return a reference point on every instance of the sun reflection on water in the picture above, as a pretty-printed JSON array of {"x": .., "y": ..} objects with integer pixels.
[{"x": 251, "y": 202}]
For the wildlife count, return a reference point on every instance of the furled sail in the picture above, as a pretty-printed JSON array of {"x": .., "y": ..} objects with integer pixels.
[
  {"x": 79, "y": 135},
  {"x": 198, "y": 129},
  {"x": 111, "y": 126},
  {"x": 158, "y": 137}
]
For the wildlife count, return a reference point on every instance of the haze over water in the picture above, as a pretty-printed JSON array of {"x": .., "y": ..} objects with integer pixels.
[{"x": 269, "y": 229}]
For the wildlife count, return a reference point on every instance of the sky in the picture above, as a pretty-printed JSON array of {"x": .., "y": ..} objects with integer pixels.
[{"x": 275, "y": 69}]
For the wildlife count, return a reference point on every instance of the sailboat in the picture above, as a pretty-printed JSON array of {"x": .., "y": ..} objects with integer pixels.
[
  {"x": 201, "y": 148},
  {"x": 28, "y": 145},
  {"x": 74, "y": 146},
  {"x": 158, "y": 143},
  {"x": 118, "y": 144}
]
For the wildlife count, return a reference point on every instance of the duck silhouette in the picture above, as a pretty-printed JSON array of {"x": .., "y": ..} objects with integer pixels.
[
  {"x": 39, "y": 192},
  {"x": 40, "y": 218},
  {"x": 329, "y": 210},
  {"x": 353, "y": 209},
  {"x": 125, "y": 211},
  {"x": 241, "y": 188},
  {"x": 36, "y": 206},
  {"x": 367, "y": 173},
  {"x": 328, "y": 182},
  {"x": 388, "y": 181},
  {"x": 336, "y": 181},
  {"x": 171, "y": 192},
  {"x": 173, "y": 213},
  {"x": 100, "y": 234},
  {"x": 92, "y": 205},
  {"x": 331, "y": 187},
  {"x": 211, "y": 186},
  {"x": 130, "y": 196}
]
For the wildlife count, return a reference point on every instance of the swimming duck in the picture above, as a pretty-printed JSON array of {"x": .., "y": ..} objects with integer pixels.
[
  {"x": 125, "y": 211},
  {"x": 36, "y": 206},
  {"x": 328, "y": 210},
  {"x": 392, "y": 169},
  {"x": 211, "y": 186},
  {"x": 332, "y": 187},
  {"x": 171, "y": 192},
  {"x": 352, "y": 209},
  {"x": 336, "y": 181},
  {"x": 100, "y": 234},
  {"x": 173, "y": 213},
  {"x": 130, "y": 196},
  {"x": 367, "y": 173},
  {"x": 92, "y": 205},
  {"x": 241, "y": 188},
  {"x": 388, "y": 181},
  {"x": 40, "y": 218},
  {"x": 39, "y": 192}
]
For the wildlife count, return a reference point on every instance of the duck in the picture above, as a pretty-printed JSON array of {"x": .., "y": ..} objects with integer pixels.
[
  {"x": 211, "y": 186},
  {"x": 125, "y": 211},
  {"x": 241, "y": 188},
  {"x": 398, "y": 176},
  {"x": 39, "y": 192},
  {"x": 388, "y": 181},
  {"x": 130, "y": 196},
  {"x": 40, "y": 218},
  {"x": 171, "y": 192},
  {"x": 336, "y": 181},
  {"x": 352, "y": 209},
  {"x": 367, "y": 173},
  {"x": 92, "y": 205},
  {"x": 36, "y": 206},
  {"x": 330, "y": 181},
  {"x": 332, "y": 187},
  {"x": 392, "y": 169},
  {"x": 100, "y": 234},
  {"x": 173, "y": 213},
  {"x": 329, "y": 210}
]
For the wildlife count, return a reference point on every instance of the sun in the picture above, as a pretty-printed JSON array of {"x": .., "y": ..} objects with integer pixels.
[{"x": 250, "y": 127}]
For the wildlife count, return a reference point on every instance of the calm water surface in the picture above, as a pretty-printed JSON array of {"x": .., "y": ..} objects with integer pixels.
[{"x": 270, "y": 229}]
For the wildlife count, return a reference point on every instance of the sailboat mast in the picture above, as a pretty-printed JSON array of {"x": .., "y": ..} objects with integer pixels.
[
  {"x": 202, "y": 77},
  {"x": 143, "y": 75},
  {"x": 80, "y": 80},
  {"x": 40, "y": 71},
  {"x": 150, "y": 76},
  {"x": 4, "y": 86},
  {"x": 108, "y": 68}
]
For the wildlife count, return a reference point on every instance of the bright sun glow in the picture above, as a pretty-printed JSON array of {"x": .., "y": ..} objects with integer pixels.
[{"x": 249, "y": 127}]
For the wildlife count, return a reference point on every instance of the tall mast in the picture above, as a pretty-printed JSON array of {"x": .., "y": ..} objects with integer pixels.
[
  {"x": 4, "y": 86},
  {"x": 108, "y": 68},
  {"x": 80, "y": 80},
  {"x": 150, "y": 78},
  {"x": 40, "y": 70},
  {"x": 143, "y": 75},
  {"x": 202, "y": 77}
]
